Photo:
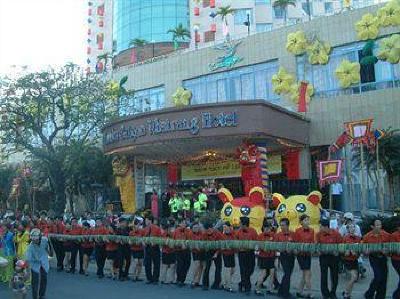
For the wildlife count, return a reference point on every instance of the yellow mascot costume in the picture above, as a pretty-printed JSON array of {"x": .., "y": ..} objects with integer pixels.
[
  {"x": 295, "y": 206},
  {"x": 252, "y": 206}
]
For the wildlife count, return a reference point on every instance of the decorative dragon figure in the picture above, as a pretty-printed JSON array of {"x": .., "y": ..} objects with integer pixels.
[{"x": 229, "y": 59}]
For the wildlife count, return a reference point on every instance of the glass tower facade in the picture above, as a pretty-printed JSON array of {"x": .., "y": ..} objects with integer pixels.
[{"x": 148, "y": 20}]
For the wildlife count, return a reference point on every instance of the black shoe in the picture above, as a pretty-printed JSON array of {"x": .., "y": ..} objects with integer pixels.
[
  {"x": 81, "y": 272},
  {"x": 333, "y": 296},
  {"x": 138, "y": 279}
]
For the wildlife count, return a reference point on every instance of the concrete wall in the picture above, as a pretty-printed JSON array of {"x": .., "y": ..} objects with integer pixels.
[{"x": 326, "y": 114}]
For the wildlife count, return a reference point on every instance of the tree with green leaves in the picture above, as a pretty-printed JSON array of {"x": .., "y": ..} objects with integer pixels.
[
  {"x": 138, "y": 42},
  {"x": 284, "y": 5},
  {"x": 388, "y": 159},
  {"x": 179, "y": 34},
  {"x": 47, "y": 112},
  {"x": 224, "y": 12},
  {"x": 105, "y": 58}
]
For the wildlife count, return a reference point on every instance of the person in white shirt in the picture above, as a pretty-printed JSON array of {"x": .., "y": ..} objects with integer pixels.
[{"x": 348, "y": 218}]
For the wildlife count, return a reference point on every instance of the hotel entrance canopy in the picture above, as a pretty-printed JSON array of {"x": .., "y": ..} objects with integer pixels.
[{"x": 176, "y": 134}]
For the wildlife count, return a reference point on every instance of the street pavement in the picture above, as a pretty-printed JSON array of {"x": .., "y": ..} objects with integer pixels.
[{"x": 75, "y": 286}]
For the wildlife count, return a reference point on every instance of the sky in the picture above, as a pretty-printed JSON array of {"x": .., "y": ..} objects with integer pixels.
[{"x": 39, "y": 33}]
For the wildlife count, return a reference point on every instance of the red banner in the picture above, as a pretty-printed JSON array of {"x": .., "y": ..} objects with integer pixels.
[
  {"x": 172, "y": 173},
  {"x": 292, "y": 165}
]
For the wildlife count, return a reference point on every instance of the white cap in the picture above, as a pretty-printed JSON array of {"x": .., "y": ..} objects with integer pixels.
[
  {"x": 348, "y": 215},
  {"x": 35, "y": 234}
]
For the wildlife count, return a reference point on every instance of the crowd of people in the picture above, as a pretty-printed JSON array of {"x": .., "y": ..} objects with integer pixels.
[{"x": 168, "y": 265}]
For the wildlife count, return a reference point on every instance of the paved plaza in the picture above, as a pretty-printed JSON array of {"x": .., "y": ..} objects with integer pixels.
[{"x": 69, "y": 286}]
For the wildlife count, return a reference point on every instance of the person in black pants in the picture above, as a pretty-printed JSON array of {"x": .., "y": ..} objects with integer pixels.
[
  {"x": 328, "y": 261},
  {"x": 286, "y": 258},
  {"x": 75, "y": 248},
  {"x": 124, "y": 251},
  {"x": 58, "y": 245},
  {"x": 378, "y": 261},
  {"x": 212, "y": 256},
  {"x": 247, "y": 259},
  {"x": 100, "y": 249},
  {"x": 152, "y": 252},
  {"x": 183, "y": 257}
]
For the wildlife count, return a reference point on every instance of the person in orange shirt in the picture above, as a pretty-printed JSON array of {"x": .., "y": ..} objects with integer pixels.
[
  {"x": 137, "y": 250},
  {"x": 58, "y": 228},
  {"x": 76, "y": 247},
  {"x": 212, "y": 234},
  {"x": 286, "y": 258},
  {"x": 100, "y": 248},
  {"x": 266, "y": 260},
  {"x": 183, "y": 258},
  {"x": 246, "y": 256},
  {"x": 152, "y": 252},
  {"x": 168, "y": 256},
  {"x": 350, "y": 259},
  {"x": 378, "y": 261},
  {"x": 228, "y": 256},
  {"x": 304, "y": 234},
  {"x": 327, "y": 260},
  {"x": 87, "y": 246},
  {"x": 111, "y": 252},
  {"x": 396, "y": 257},
  {"x": 198, "y": 255}
]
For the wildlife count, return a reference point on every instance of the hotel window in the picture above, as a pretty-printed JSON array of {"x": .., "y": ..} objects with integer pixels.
[
  {"x": 328, "y": 7},
  {"x": 379, "y": 76},
  {"x": 263, "y": 27},
  {"x": 260, "y": 2},
  {"x": 240, "y": 16},
  {"x": 279, "y": 12},
  {"x": 244, "y": 83},
  {"x": 142, "y": 101}
]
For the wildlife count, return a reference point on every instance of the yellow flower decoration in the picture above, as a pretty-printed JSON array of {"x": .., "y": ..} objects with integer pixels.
[
  {"x": 181, "y": 97},
  {"x": 296, "y": 43},
  {"x": 389, "y": 14},
  {"x": 295, "y": 92},
  {"x": 367, "y": 27},
  {"x": 348, "y": 73},
  {"x": 389, "y": 49},
  {"x": 318, "y": 52},
  {"x": 282, "y": 81}
]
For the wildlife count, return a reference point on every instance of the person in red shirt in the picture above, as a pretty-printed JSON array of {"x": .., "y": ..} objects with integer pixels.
[
  {"x": 304, "y": 234},
  {"x": 228, "y": 256},
  {"x": 67, "y": 246},
  {"x": 58, "y": 228},
  {"x": 396, "y": 257},
  {"x": 168, "y": 257},
  {"x": 378, "y": 261},
  {"x": 285, "y": 258},
  {"x": 137, "y": 250},
  {"x": 87, "y": 246},
  {"x": 198, "y": 255},
  {"x": 246, "y": 256},
  {"x": 76, "y": 247},
  {"x": 152, "y": 252},
  {"x": 327, "y": 260},
  {"x": 111, "y": 252},
  {"x": 183, "y": 258},
  {"x": 266, "y": 259},
  {"x": 100, "y": 248},
  {"x": 350, "y": 259},
  {"x": 212, "y": 234}
]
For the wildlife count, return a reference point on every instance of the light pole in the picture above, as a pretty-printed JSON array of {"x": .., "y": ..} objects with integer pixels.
[
  {"x": 247, "y": 23},
  {"x": 196, "y": 28}
]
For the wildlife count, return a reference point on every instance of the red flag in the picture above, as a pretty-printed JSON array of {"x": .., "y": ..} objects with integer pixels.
[
  {"x": 340, "y": 142},
  {"x": 302, "y": 105}
]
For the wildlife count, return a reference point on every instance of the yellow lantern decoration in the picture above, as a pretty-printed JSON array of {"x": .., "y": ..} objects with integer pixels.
[
  {"x": 389, "y": 49},
  {"x": 295, "y": 92},
  {"x": 348, "y": 73},
  {"x": 389, "y": 15},
  {"x": 296, "y": 43},
  {"x": 181, "y": 97},
  {"x": 282, "y": 81},
  {"x": 318, "y": 52},
  {"x": 367, "y": 27}
]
